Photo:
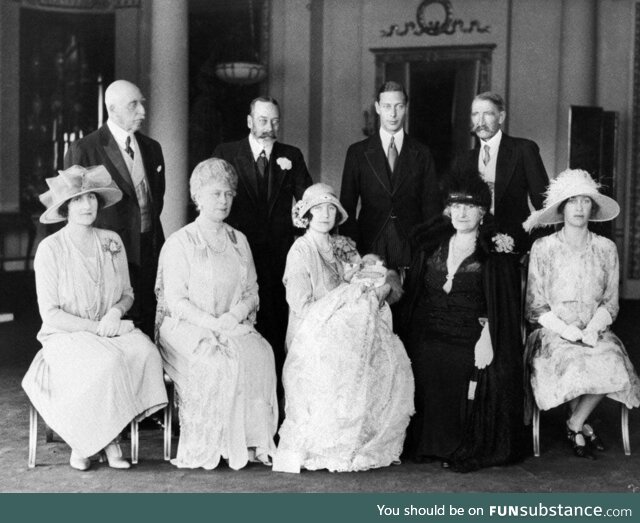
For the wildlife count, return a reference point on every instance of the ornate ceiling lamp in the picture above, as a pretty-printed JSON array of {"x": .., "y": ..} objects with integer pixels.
[{"x": 245, "y": 72}]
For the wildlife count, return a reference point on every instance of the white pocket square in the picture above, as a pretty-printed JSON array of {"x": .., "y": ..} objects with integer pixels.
[{"x": 159, "y": 168}]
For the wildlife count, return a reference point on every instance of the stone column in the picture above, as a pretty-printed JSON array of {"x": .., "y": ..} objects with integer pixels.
[
  {"x": 168, "y": 103},
  {"x": 578, "y": 67}
]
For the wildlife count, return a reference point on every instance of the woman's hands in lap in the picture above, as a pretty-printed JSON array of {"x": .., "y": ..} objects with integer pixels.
[{"x": 109, "y": 325}]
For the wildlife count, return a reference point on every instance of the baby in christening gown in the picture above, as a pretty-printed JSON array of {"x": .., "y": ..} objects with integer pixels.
[{"x": 370, "y": 271}]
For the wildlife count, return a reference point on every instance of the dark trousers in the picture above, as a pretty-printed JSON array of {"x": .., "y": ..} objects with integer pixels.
[{"x": 143, "y": 279}]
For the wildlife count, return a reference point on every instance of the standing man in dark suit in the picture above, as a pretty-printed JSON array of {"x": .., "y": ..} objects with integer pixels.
[
  {"x": 272, "y": 175},
  {"x": 511, "y": 166},
  {"x": 136, "y": 164},
  {"x": 394, "y": 178}
]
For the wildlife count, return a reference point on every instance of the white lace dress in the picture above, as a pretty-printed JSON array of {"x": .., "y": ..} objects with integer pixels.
[
  {"x": 573, "y": 285},
  {"x": 225, "y": 381},
  {"x": 347, "y": 378}
]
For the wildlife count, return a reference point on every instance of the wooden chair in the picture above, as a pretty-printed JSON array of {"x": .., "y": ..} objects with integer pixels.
[
  {"x": 168, "y": 418},
  {"x": 624, "y": 425}
]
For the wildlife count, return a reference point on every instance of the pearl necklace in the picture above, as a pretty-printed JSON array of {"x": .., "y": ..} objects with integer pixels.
[{"x": 455, "y": 257}]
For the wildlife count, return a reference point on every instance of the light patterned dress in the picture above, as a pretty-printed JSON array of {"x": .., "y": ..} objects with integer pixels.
[
  {"x": 226, "y": 381},
  {"x": 87, "y": 387},
  {"x": 347, "y": 378},
  {"x": 573, "y": 285}
]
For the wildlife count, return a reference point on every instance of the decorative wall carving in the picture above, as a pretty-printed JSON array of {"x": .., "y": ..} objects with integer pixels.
[{"x": 433, "y": 18}]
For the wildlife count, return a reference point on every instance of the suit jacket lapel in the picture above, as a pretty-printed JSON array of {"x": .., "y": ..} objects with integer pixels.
[
  {"x": 276, "y": 175},
  {"x": 378, "y": 161},
  {"x": 246, "y": 169},
  {"x": 505, "y": 166},
  {"x": 404, "y": 165},
  {"x": 120, "y": 173}
]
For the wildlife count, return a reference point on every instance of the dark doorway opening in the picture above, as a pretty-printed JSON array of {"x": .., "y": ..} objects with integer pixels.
[{"x": 441, "y": 83}]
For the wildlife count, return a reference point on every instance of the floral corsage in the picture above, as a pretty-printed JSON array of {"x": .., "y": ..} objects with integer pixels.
[
  {"x": 298, "y": 220},
  {"x": 112, "y": 247},
  {"x": 344, "y": 249},
  {"x": 284, "y": 163},
  {"x": 503, "y": 243}
]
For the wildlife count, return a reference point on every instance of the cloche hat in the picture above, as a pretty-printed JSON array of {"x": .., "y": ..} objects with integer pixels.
[
  {"x": 570, "y": 183},
  {"x": 75, "y": 181},
  {"x": 316, "y": 194}
]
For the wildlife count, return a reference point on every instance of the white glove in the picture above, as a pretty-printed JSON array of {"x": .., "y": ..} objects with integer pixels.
[
  {"x": 483, "y": 352},
  {"x": 227, "y": 322},
  {"x": 589, "y": 337},
  {"x": 600, "y": 320},
  {"x": 126, "y": 326},
  {"x": 569, "y": 332}
]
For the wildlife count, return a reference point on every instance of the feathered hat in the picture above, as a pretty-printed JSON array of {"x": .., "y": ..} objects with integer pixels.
[
  {"x": 469, "y": 188},
  {"x": 570, "y": 183}
]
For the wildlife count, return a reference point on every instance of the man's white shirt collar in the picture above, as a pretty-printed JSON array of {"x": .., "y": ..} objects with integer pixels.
[
  {"x": 121, "y": 135},
  {"x": 493, "y": 142},
  {"x": 398, "y": 140},
  {"x": 257, "y": 147}
]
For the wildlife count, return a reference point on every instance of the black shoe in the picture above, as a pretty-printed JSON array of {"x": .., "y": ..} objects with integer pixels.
[
  {"x": 592, "y": 438},
  {"x": 580, "y": 450}
]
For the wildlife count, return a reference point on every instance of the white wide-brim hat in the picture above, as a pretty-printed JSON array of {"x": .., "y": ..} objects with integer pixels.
[
  {"x": 316, "y": 194},
  {"x": 570, "y": 183},
  {"x": 76, "y": 181}
]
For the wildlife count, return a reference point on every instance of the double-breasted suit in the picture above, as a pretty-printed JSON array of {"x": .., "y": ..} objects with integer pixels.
[
  {"x": 101, "y": 148},
  {"x": 520, "y": 174},
  {"x": 409, "y": 196},
  {"x": 264, "y": 216}
]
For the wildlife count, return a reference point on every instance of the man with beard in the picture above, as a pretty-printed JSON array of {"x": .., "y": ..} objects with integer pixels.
[
  {"x": 271, "y": 174},
  {"x": 511, "y": 166}
]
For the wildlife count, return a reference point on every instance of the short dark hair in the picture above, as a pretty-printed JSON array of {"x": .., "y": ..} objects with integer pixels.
[
  {"x": 308, "y": 217},
  {"x": 594, "y": 206},
  {"x": 266, "y": 99},
  {"x": 494, "y": 98},
  {"x": 390, "y": 86},
  {"x": 63, "y": 210}
]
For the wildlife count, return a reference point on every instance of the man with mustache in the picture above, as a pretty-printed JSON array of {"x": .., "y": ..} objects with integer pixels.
[
  {"x": 135, "y": 162},
  {"x": 271, "y": 175},
  {"x": 511, "y": 166}
]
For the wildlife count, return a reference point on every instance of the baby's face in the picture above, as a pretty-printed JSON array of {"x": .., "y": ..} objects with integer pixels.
[{"x": 371, "y": 259}]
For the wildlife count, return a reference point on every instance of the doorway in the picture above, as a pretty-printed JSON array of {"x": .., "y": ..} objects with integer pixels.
[{"x": 441, "y": 83}]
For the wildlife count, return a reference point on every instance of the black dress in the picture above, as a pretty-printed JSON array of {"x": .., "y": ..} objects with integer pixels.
[
  {"x": 440, "y": 331},
  {"x": 444, "y": 331}
]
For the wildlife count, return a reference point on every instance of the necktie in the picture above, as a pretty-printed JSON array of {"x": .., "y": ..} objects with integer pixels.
[
  {"x": 261, "y": 162},
  {"x": 487, "y": 156},
  {"x": 127, "y": 147},
  {"x": 392, "y": 154}
]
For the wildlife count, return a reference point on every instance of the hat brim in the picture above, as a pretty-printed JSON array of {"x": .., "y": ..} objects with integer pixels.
[
  {"x": 109, "y": 196},
  {"x": 607, "y": 210},
  {"x": 326, "y": 199}
]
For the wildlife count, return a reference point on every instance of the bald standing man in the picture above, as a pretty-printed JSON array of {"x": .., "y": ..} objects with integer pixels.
[{"x": 136, "y": 164}]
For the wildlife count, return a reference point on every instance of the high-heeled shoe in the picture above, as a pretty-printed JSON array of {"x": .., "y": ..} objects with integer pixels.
[
  {"x": 113, "y": 456},
  {"x": 580, "y": 450},
  {"x": 78, "y": 462},
  {"x": 592, "y": 438}
]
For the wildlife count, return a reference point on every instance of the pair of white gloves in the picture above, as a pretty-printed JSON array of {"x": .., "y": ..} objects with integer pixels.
[{"x": 589, "y": 335}]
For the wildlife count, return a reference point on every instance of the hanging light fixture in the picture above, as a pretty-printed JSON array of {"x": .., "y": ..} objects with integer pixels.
[{"x": 243, "y": 73}]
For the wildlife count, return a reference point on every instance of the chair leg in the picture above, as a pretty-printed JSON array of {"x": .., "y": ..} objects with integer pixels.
[
  {"x": 168, "y": 420},
  {"x": 536, "y": 431},
  {"x": 33, "y": 435},
  {"x": 624, "y": 423},
  {"x": 134, "y": 442}
]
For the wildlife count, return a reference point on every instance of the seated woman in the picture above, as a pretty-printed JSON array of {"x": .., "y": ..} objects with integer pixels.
[
  {"x": 461, "y": 328},
  {"x": 95, "y": 372},
  {"x": 572, "y": 299},
  {"x": 207, "y": 301},
  {"x": 347, "y": 379}
]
